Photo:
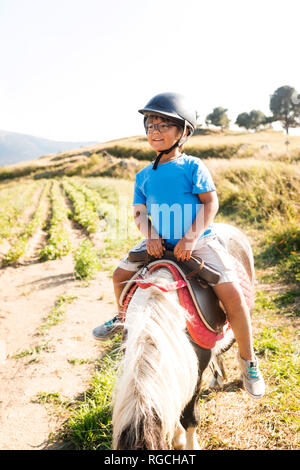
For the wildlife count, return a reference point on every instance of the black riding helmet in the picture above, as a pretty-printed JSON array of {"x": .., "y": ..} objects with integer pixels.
[{"x": 175, "y": 107}]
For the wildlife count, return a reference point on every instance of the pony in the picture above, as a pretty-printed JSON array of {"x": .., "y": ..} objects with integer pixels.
[{"x": 157, "y": 391}]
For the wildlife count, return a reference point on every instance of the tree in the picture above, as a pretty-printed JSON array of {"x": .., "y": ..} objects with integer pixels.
[
  {"x": 285, "y": 106},
  {"x": 243, "y": 120},
  {"x": 257, "y": 119},
  {"x": 269, "y": 120},
  {"x": 218, "y": 118},
  {"x": 252, "y": 120}
]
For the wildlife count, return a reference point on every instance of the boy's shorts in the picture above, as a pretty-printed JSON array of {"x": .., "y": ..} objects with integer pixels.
[{"x": 209, "y": 249}]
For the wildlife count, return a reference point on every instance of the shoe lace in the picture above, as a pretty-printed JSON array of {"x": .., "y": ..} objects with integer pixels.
[
  {"x": 253, "y": 371},
  {"x": 111, "y": 322}
]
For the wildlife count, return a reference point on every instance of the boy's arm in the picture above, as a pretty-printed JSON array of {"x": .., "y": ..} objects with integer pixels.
[
  {"x": 143, "y": 223},
  {"x": 203, "y": 219},
  {"x": 205, "y": 216}
]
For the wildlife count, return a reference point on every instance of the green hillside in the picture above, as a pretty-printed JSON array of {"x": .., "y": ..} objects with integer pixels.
[{"x": 124, "y": 157}]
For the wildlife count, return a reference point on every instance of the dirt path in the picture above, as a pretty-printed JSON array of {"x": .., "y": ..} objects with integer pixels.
[{"x": 36, "y": 360}]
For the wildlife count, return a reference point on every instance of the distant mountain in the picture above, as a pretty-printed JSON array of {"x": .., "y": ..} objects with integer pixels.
[{"x": 16, "y": 147}]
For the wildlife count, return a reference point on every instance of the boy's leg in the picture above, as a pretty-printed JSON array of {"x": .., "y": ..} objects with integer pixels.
[
  {"x": 229, "y": 292},
  {"x": 238, "y": 315},
  {"x": 232, "y": 298},
  {"x": 112, "y": 327},
  {"x": 123, "y": 272},
  {"x": 120, "y": 276}
]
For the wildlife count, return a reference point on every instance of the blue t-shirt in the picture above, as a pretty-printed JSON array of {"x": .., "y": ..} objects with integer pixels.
[{"x": 170, "y": 194}]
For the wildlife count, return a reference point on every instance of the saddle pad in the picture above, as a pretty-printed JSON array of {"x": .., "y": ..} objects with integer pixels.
[
  {"x": 198, "y": 331},
  {"x": 195, "y": 326}
]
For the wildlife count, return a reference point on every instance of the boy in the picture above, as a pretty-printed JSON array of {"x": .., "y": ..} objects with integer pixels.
[{"x": 179, "y": 195}]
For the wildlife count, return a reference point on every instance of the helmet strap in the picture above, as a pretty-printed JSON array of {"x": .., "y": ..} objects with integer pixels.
[
  {"x": 163, "y": 153},
  {"x": 177, "y": 144},
  {"x": 183, "y": 139}
]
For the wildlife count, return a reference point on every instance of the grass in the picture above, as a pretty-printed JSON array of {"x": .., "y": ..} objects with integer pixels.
[
  {"x": 280, "y": 248},
  {"x": 257, "y": 193},
  {"x": 76, "y": 361},
  {"x": 86, "y": 261},
  {"x": 277, "y": 345},
  {"x": 264, "y": 197},
  {"x": 289, "y": 300},
  {"x": 51, "y": 397},
  {"x": 55, "y": 316},
  {"x": 282, "y": 370},
  {"x": 57, "y": 313},
  {"x": 33, "y": 351},
  {"x": 89, "y": 425}
]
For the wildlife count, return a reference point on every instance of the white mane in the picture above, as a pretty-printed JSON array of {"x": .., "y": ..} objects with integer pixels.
[{"x": 159, "y": 371}]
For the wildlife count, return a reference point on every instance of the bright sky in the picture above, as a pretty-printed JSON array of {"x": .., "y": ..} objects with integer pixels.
[{"x": 80, "y": 69}]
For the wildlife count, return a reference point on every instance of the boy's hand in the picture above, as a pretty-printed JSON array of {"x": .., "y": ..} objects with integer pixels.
[
  {"x": 184, "y": 248},
  {"x": 155, "y": 247}
]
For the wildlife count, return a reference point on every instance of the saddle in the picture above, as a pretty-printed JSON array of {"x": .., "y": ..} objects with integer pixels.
[
  {"x": 196, "y": 274},
  {"x": 194, "y": 267},
  {"x": 207, "y": 323}
]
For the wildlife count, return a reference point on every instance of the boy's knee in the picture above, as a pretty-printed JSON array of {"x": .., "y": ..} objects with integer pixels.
[
  {"x": 116, "y": 275},
  {"x": 120, "y": 275},
  {"x": 229, "y": 293}
]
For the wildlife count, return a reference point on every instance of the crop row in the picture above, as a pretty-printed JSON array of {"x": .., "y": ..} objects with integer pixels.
[
  {"x": 84, "y": 203},
  {"x": 105, "y": 203},
  {"x": 58, "y": 242},
  {"x": 13, "y": 202},
  {"x": 20, "y": 242},
  {"x": 7, "y": 194},
  {"x": 89, "y": 210}
]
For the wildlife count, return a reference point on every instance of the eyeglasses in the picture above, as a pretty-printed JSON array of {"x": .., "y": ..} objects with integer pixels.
[{"x": 161, "y": 127}]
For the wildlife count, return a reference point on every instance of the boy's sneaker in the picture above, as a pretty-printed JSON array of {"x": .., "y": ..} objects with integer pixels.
[
  {"x": 253, "y": 381},
  {"x": 108, "y": 329}
]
